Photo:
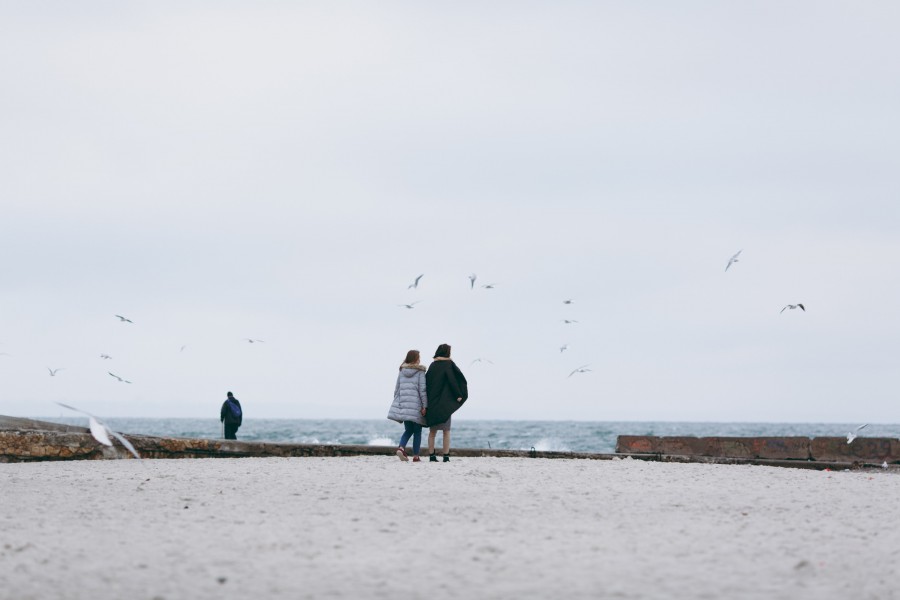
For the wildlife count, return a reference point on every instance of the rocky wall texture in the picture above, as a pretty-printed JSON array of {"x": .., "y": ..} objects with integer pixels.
[{"x": 868, "y": 450}]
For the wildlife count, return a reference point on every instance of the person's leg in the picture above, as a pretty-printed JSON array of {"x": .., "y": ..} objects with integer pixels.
[
  {"x": 417, "y": 439},
  {"x": 230, "y": 432},
  {"x": 432, "y": 433},
  {"x": 407, "y": 433},
  {"x": 446, "y": 442}
]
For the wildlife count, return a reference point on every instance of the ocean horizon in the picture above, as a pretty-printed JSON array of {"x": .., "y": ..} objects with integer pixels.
[{"x": 560, "y": 436}]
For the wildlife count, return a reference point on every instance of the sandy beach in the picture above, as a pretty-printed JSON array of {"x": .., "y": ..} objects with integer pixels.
[{"x": 374, "y": 527}]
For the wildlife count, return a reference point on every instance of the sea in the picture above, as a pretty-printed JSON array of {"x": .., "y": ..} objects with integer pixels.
[{"x": 561, "y": 436}]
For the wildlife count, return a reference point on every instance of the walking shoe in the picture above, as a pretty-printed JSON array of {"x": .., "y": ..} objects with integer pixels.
[
  {"x": 432, "y": 457},
  {"x": 401, "y": 454},
  {"x": 446, "y": 458},
  {"x": 416, "y": 459}
]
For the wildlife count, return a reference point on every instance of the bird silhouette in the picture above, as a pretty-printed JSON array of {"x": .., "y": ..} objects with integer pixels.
[
  {"x": 581, "y": 369},
  {"x": 569, "y": 321},
  {"x": 252, "y": 341},
  {"x": 793, "y": 306},
  {"x": 124, "y": 319},
  {"x": 472, "y": 279},
  {"x": 733, "y": 259},
  {"x": 119, "y": 378},
  {"x": 415, "y": 284},
  {"x": 53, "y": 372},
  {"x": 105, "y": 356},
  {"x": 411, "y": 305}
]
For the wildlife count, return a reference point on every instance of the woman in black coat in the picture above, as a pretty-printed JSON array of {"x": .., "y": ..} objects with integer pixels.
[{"x": 447, "y": 390}]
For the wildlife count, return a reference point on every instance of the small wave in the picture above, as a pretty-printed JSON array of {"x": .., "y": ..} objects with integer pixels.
[
  {"x": 380, "y": 441},
  {"x": 550, "y": 445}
]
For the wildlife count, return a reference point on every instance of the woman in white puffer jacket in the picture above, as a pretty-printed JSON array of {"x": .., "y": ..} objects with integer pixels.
[{"x": 410, "y": 403}]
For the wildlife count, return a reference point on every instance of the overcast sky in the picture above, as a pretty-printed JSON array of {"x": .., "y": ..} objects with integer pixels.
[{"x": 283, "y": 171}]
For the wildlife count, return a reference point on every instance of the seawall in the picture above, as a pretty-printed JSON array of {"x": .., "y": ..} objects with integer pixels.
[{"x": 26, "y": 440}]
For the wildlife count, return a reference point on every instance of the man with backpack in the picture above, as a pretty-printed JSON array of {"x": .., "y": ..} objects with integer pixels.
[{"x": 232, "y": 416}]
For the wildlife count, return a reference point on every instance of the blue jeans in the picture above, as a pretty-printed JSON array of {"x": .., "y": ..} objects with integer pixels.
[{"x": 415, "y": 431}]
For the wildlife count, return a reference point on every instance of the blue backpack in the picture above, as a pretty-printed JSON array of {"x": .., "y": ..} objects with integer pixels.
[{"x": 234, "y": 410}]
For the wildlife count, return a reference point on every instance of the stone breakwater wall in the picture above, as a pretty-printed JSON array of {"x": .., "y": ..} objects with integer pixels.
[
  {"x": 819, "y": 449},
  {"x": 24, "y": 440}
]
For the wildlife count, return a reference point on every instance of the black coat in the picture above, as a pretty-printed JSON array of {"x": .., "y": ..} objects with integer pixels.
[
  {"x": 444, "y": 383},
  {"x": 225, "y": 414}
]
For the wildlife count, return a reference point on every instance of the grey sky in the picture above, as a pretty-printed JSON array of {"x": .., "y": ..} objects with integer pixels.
[{"x": 224, "y": 170}]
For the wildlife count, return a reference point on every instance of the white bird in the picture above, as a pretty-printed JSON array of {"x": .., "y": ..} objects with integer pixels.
[
  {"x": 582, "y": 369},
  {"x": 119, "y": 378},
  {"x": 54, "y": 371},
  {"x": 477, "y": 360},
  {"x": 415, "y": 284},
  {"x": 793, "y": 306},
  {"x": 569, "y": 301},
  {"x": 852, "y": 435},
  {"x": 472, "y": 279},
  {"x": 568, "y": 321},
  {"x": 123, "y": 319},
  {"x": 105, "y": 356},
  {"x": 564, "y": 347},
  {"x": 182, "y": 348},
  {"x": 489, "y": 286},
  {"x": 101, "y": 432},
  {"x": 884, "y": 465},
  {"x": 733, "y": 259},
  {"x": 252, "y": 341},
  {"x": 411, "y": 305}
]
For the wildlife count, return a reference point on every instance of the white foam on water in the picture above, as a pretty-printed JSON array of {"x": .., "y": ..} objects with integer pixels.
[
  {"x": 550, "y": 445},
  {"x": 381, "y": 441}
]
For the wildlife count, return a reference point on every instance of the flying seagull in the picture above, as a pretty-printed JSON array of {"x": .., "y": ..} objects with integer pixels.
[
  {"x": 733, "y": 259},
  {"x": 119, "y": 378},
  {"x": 53, "y": 371},
  {"x": 582, "y": 369},
  {"x": 852, "y": 435},
  {"x": 472, "y": 279},
  {"x": 415, "y": 284},
  {"x": 182, "y": 348},
  {"x": 569, "y": 301},
  {"x": 564, "y": 347},
  {"x": 410, "y": 305},
  {"x": 793, "y": 306},
  {"x": 105, "y": 356},
  {"x": 489, "y": 286},
  {"x": 252, "y": 341},
  {"x": 478, "y": 360},
  {"x": 123, "y": 319},
  {"x": 568, "y": 321},
  {"x": 101, "y": 432}
]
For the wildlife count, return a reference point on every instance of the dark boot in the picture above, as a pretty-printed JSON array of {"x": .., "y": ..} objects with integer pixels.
[
  {"x": 446, "y": 458},
  {"x": 432, "y": 457}
]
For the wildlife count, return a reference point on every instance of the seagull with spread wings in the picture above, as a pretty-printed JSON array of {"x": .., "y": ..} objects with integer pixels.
[
  {"x": 253, "y": 341},
  {"x": 852, "y": 435},
  {"x": 472, "y": 279},
  {"x": 410, "y": 306},
  {"x": 581, "y": 369},
  {"x": 415, "y": 284},
  {"x": 124, "y": 319},
  {"x": 478, "y": 360},
  {"x": 733, "y": 259},
  {"x": 101, "y": 432},
  {"x": 53, "y": 372},
  {"x": 119, "y": 378},
  {"x": 793, "y": 306}
]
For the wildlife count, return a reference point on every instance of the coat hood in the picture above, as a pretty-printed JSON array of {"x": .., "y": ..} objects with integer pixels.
[{"x": 410, "y": 370}]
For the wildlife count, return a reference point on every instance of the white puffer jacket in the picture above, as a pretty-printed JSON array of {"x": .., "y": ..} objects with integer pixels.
[{"x": 409, "y": 395}]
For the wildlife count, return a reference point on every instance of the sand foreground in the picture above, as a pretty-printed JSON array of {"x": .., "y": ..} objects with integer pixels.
[{"x": 374, "y": 527}]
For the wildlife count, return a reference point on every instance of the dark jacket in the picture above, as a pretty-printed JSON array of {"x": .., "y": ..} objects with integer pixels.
[
  {"x": 225, "y": 414},
  {"x": 444, "y": 383}
]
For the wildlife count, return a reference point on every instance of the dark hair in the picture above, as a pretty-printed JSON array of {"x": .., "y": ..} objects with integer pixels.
[
  {"x": 443, "y": 351},
  {"x": 411, "y": 357},
  {"x": 230, "y": 395}
]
